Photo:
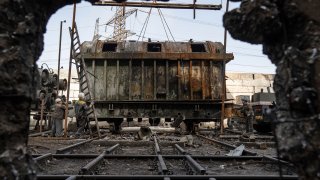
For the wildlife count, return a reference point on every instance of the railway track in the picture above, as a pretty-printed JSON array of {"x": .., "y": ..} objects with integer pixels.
[{"x": 163, "y": 157}]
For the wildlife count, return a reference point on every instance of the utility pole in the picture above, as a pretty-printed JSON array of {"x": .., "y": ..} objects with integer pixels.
[
  {"x": 70, "y": 66},
  {"x": 61, "y": 22},
  {"x": 223, "y": 75}
]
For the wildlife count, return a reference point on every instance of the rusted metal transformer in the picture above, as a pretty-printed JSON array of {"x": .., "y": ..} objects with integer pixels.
[{"x": 170, "y": 80}]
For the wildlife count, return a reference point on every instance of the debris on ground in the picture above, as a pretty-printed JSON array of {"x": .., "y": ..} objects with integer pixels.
[{"x": 237, "y": 151}]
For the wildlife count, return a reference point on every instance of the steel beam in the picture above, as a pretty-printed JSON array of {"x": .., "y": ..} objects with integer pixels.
[
  {"x": 172, "y": 177},
  {"x": 42, "y": 157},
  {"x": 156, "y": 146},
  {"x": 68, "y": 148},
  {"x": 180, "y": 149},
  {"x": 111, "y": 149},
  {"x": 39, "y": 134},
  {"x": 227, "y": 145},
  {"x": 195, "y": 165},
  {"x": 278, "y": 161},
  {"x": 87, "y": 168},
  {"x": 233, "y": 131},
  {"x": 222, "y": 136},
  {"x": 162, "y": 165},
  {"x": 160, "y": 5},
  {"x": 72, "y": 178}
]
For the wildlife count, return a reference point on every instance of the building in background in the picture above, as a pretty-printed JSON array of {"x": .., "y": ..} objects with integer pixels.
[{"x": 244, "y": 85}]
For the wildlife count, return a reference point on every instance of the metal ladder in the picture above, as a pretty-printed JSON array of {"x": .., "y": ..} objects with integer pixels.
[{"x": 84, "y": 84}]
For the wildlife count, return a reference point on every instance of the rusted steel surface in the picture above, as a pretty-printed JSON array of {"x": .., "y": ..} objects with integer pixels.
[
  {"x": 145, "y": 79},
  {"x": 123, "y": 76},
  {"x": 165, "y": 56},
  {"x": 175, "y": 50}
]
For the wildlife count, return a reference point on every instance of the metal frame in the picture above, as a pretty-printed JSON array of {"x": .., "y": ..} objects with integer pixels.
[{"x": 160, "y": 5}]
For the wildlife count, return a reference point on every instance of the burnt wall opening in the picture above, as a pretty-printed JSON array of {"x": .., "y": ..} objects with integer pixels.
[
  {"x": 198, "y": 48},
  {"x": 109, "y": 47},
  {"x": 289, "y": 33},
  {"x": 22, "y": 26},
  {"x": 154, "y": 47}
]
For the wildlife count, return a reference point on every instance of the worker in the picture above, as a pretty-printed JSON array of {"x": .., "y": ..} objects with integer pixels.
[
  {"x": 77, "y": 106},
  {"x": 245, "y": 110},
  {"x": 57, "y": 118},
  {"x": 82, "y": 117}
]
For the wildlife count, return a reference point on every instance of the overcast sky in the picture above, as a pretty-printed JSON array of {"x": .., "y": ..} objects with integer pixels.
[{"x": 207, "y": 26}]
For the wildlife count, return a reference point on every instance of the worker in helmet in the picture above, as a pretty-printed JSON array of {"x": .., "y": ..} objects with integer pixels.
[
  {"x": 247, "y": 113},
  {"x": 57, "y": 118},
  {"x": 77, "y": 106},
  {"x": 82, "y": 117}
]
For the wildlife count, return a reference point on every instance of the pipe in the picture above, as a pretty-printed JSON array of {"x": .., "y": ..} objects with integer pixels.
[
  {"x": 87, "y": 168},
  {"x": 229, "y": 136},
  {"x": 233, "y": 131},
  {"x": 227, "y": 145},
  {"x": 179, "y": 148},
  {"x": 59, "y": 55},
  {"x": 42, "y": 157},
  {"x": 40, "y": 133},
  {"x": 163, "y": 168},
  {"x": 41, "y": 114},
  {"x": 153, "y": 128},
  {"x": 278, "y": 160},
  {"x": 195, "y": 165},
  {"x": 156, "y": 146},
  {"x": 111, "y": 149},
  {"x": 72, "y": 178},
  {"x": 68, "y": 148}
]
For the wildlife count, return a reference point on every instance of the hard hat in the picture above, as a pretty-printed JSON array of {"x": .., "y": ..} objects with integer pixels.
[{"x": 81, "y": 95}]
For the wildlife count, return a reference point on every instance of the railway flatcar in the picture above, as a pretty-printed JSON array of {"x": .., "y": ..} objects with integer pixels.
[{"x": 176, "y": 81}]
